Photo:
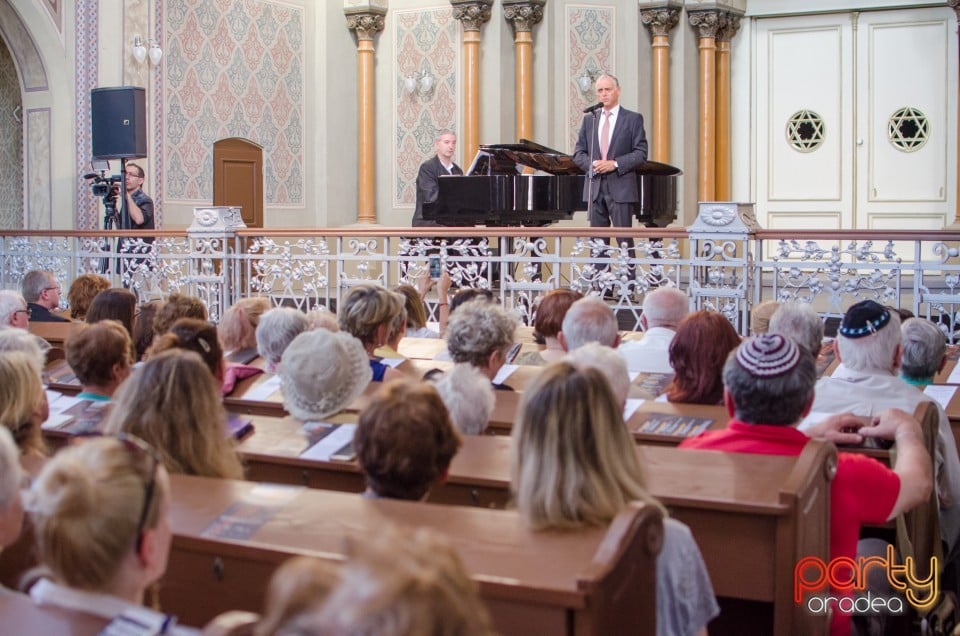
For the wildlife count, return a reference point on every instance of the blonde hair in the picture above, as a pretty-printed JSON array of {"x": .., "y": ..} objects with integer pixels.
[
  {"x": 21, "y": 399},
  {"x": 298, "y": 586},
  {"x": 238, "y": 327},
  {"x": 402, "y": 582},
  {"x": 86, "y": 506},
  {"x": 173, "y": 402},
  {"x": 366, "y": 308},
  {"x": 572, "y": 461}
]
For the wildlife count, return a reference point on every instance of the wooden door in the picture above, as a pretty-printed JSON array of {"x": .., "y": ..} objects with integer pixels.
[{"x": 238, "y": 178}]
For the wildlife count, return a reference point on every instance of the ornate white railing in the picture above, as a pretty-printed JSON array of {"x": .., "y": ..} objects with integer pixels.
[{"x": 725, "y": 264}]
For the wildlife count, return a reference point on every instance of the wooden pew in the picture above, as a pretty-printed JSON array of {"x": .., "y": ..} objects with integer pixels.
[
  {"x": 753, "y": 516},
  {"x": 56, "y": 333},
  {"x": 594, "y": 582}
]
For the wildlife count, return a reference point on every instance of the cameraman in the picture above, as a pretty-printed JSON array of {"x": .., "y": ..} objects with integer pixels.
[{"x": 140, "y": 211}]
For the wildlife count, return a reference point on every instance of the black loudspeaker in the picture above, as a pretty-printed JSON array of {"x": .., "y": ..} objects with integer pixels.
[{"x": 119, "y": 119}]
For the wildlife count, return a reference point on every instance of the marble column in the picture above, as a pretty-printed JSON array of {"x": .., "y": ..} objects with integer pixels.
[
  {"x": 523, "y": 14},
  {"x": 707, "y": 24},
  {"x": 660, "y": 21},
  {"x": 729, "y": 25},
  {"x": 365, "y": 23},
  {"x": 471, "y": 14}
]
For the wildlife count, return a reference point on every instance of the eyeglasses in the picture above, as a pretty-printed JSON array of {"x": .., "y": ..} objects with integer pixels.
[
  {"x": 52, "y": 288},
  {"x": 27, "y": 311},
  {"x": 139, "y": 450}
]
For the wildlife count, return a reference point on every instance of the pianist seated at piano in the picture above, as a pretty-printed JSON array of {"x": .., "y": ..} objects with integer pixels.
[{"x": 428, "y": 178}]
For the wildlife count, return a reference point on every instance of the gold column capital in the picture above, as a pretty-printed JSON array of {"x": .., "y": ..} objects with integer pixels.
[
  {"x": 707, "y": 23},
  {"x": 366, "y": 24},
  {"x": 523, "y": 14},
  {"x": 660, "y": 21},
  {"x": 471, "y": 13}
]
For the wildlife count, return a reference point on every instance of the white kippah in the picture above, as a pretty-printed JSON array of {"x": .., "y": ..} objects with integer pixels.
[{"x": 768, "y": 355}]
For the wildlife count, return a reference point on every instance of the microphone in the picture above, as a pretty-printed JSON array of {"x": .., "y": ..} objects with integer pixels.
[{"x": 596, "y": 106}]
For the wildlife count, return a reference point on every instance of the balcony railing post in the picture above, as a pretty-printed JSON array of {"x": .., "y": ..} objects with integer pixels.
[
  {"x": 721, "y": 260},
  {"x": 214, "y": 259}
]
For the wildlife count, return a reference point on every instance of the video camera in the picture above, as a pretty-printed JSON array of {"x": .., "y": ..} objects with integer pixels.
[
  {"x": 104, "y": 187},
  {"x": 107, "y": 188}
]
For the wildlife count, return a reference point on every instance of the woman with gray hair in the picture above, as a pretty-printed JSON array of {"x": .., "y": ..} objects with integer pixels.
[
  {"x": 468, "y": 396},
  {"x": 370, "y": 313},
  {"x": 276, "y": 330},
  {"x": 481, "y": 333},
  {"x": 924, "y": 351},
  {"x": 800, "y": 322}
]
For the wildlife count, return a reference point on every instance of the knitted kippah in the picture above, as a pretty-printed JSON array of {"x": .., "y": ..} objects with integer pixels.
[
  {"x": 865, "y": 318},
  {"x": 768, "y": 355}
]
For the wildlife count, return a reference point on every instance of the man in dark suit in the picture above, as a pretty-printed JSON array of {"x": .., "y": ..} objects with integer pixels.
[
  {"x": 619, "y": 145},
  {"x": 42, "y": 292},
  {"x": 428, "y": 179}
]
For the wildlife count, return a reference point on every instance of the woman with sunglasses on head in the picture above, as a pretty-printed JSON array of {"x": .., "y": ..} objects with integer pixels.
[{"x": 99, "y": 511}]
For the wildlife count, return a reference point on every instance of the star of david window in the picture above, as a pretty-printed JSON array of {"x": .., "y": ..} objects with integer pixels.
[
  {"x": 805, "y": 130},
  {"x": 908, "y": 129}
]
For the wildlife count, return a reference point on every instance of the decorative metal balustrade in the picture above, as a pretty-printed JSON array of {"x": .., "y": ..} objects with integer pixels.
[{"x": 724, "y": 266}]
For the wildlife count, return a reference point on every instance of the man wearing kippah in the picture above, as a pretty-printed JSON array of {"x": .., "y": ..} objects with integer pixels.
[
  {"x": 868, "y": 346},
  {"x": 768, "y": 389}
]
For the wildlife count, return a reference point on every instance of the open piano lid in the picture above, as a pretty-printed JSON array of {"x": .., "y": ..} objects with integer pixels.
[{"x": 504, "y": 158}]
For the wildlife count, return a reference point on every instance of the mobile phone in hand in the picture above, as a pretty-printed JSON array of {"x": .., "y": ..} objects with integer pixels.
[{"x": 434, "y": 267}]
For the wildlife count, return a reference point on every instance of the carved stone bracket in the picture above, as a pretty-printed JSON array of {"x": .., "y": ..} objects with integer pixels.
[
  {"x": 471, "y": 13},
  {"x": 707, "y": 23},
  {"x": 523, "y": 14},
  {"x": 955, "y": 5},
  {"x": 729, "y": 25},
  {"x": 366, "y": 24},
  {"x": 660, "y": 21}
]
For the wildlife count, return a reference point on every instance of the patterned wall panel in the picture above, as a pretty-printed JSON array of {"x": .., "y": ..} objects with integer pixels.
[
  {"x": 425, "y": 41},
  {"x": 11, "y": 144},
  {"x": 590, "y": 49},
  {"x": 233, "y": 68},
  {"x": 88, "y": 206},
  {"x": 38, "y": 175}
]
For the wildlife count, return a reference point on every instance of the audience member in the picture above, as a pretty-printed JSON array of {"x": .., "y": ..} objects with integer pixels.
[
  {"x": 114, "y": 304},
  {"x": 23, "y": 407},
  {"x": 100, "y": 355},
  {"x": 547, "y": 324},
  {"x": 238, "y": 326},
  {"x": 589, "y": 320},
  {"x": 800, "y": 322},
  {"x": 468, "y": 395},
  {"x": 322, "y": 318},
  {"x": 22, "y": 340},
  {"x": 663, "y": 309},
  {"x": 100, "y": 513},
  {"x": 322, "y": 373},
  {"x": 13, "y": 310},
  {"x": 607, "y": 361},
  {"x": 416, "y": 313},
  {"x": 760, "y": 316},
  {"x": 175, "y": 307},
  {"x": 868, "y": 345},
  {"x": 390, "y": 349},
  {"x": 769, "y": 389},
  {"x": 173, "y": 402},
  {"x": 277, "y": 329},
  {"x": 404, "y": 582},
  {"x": 83, "y": 290},
  {"x": 143, "y": 326},
  {"x": 697, "y": 354},
  {"x": 924, "y": 348},
  {"x": 573, "y": 465},
  {"x": 405, "y": 441},
  {"x": 42, "y": 292},
  {"x": 368, "y": 314},
  {"x": 298, "y": 586},
  {"x": 11, "y": 504},
  {"x": 194, "y": 335},
  {"x": 481, "y": 333}
]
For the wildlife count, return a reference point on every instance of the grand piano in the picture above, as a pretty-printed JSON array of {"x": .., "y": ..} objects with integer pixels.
[{"x": 495, "y": 192}]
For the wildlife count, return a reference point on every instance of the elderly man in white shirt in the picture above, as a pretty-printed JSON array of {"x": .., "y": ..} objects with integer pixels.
[
  {"x": 868, "y": 345},
  {"x": 663, "y": 309}
]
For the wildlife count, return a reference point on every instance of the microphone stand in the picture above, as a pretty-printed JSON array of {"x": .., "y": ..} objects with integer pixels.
[{"x": 590, "y": 175}]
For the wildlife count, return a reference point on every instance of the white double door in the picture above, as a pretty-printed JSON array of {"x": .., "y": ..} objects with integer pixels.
[{"x": 856, "y": 120}]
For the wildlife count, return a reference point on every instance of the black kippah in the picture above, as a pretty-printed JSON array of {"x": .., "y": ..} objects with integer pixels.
[
  {"x": 865, "y": 318},
  {"x": 768, "y": 355}
]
